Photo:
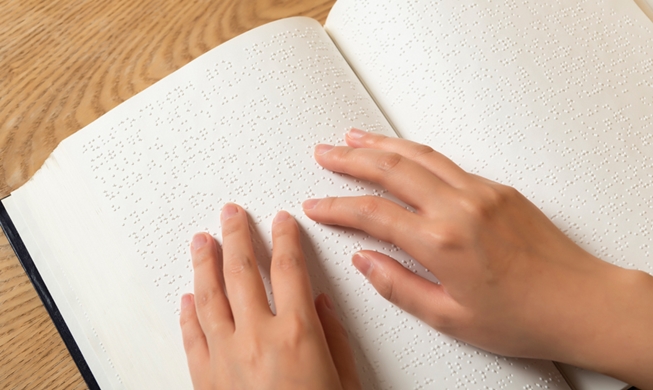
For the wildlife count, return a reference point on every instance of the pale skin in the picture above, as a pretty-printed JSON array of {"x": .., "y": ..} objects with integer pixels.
[
  {"x": 510, "y": 281},
  {"x": 231, "y": 337}
]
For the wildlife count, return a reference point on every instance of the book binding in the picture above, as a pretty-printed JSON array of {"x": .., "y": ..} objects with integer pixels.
[{"x": 39, "y": 285}]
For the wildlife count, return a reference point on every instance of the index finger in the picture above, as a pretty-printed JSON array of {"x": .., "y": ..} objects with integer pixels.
[
  {"x": 424, "y": 155},
  {"x": 407, "y": 180}
]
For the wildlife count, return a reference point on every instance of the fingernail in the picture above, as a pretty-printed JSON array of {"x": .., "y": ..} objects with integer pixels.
[
  {"x": 280, "y": 217},
  {"x": 362, "y": 263},
  {"x": 199, "y": 240},
  {"x": 356, "y": 133},
  {"x": 328, "y": 302},
  {"x": 310, "y": 204},
  {"x": 321, "y": 149},
  {"x": 186, "y": 300},
  {"x": 228, "y": 211}
]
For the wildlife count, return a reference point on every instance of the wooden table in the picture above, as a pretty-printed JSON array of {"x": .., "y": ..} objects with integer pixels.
[{"x": 63, "y": 63}]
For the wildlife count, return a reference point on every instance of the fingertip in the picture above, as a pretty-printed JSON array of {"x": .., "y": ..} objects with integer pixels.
[
  {"x": 363, "y": 263},
  {"x": 201, "y": 249},
  {"x": 355, "y": 133},
  {"x": 188, "y": 316},
  {"x": 284, "y": 224},
  {"x": 281, "y": 217},
  {"x": 361, "y": 138},
  {"x": 321, "y": 149},
  {"x": 187, "y": 301},
  {"x": 356, "y": 137},
  {"x": 199, "y": 241},
  {"x": 310, "y": 204},
  {"x": 229, "y": 210}
]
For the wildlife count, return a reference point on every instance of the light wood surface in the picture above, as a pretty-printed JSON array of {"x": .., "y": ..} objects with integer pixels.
[{"x": 63, "y": 63}]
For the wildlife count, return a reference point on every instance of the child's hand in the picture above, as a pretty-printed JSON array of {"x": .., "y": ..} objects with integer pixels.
[
  {"x": 511, "y": 282},
  {"x": 232, "y": 339}
]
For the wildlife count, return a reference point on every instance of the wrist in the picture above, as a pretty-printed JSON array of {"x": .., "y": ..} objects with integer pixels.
[{"x": 613, "y": 325}]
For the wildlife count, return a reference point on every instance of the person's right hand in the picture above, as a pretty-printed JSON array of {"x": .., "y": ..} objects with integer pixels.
[{"x": 511, "y": 282}]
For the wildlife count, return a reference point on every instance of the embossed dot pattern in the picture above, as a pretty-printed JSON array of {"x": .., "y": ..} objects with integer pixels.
[
  {"x": 216, "y": 141},
  {"x": 552, "y": 97},
  {"x": 240, "y": 123}
]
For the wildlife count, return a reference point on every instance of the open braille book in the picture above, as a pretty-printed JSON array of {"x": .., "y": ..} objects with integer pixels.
[{"x": 554, "y": 98}]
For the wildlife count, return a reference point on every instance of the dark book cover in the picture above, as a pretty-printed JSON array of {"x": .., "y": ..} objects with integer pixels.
[{"x": 38, "y": 283}]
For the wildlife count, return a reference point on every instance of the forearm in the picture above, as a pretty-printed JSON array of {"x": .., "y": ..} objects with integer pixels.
[{"x": 612, "y": 331}]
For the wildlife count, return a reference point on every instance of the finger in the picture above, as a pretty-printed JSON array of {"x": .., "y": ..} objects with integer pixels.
[
  {"x": 435, "y": 162},
  {"x": 404, "y": 178},
  {"x": 290, "y": 283},
  {"x": 241, "y": 275},
  {"x": 211, "y": 304},
  {"x": 339, "y": 347},
  {"x": 197, "y": 352},
  {"x": 422, "y": 298},
  {"x": 378, "y": 217}
]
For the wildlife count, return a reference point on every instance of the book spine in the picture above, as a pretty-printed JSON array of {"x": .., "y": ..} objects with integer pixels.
[{"x": 39, "y": 285}]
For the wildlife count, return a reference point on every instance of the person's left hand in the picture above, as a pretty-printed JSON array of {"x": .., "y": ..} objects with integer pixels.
[{"x": 231, "y": 337}]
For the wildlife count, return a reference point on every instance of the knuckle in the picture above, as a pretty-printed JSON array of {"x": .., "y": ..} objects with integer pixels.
[
  {"x": 252, "y": 353},
  {"x": 382, "y": 142},
  {"x": 474, "y": 206},
  {"x": 201, "y": 257},
  {"x": 443, "y": 322},
  {"x": 388, "y": 161},
  {"x": 207, "y": 296},
  {"x": 230, "y": 227},
  {"x": 297, "y": 329},
  {"x": 286, "y": 262},
  {"x": 185, "y": 320},
  {"x": 238, "y": 264},
  {"x": 215, "y": 329},
  {"x": 328, "y": 205},
  {"x": 340, "y": 155},
  {"x": 368, "y": 208},
  {"x": 486, "y": 203},
  {"x": 191, "y": 340},
  {"x": 507, "y": 193},
  {"x": 420, "y": 150},
  {"x": 445, "y": 237}
]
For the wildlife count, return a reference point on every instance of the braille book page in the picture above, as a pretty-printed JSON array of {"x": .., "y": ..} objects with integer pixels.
[
  {"x": 552, "y": 97},
  {"x": 109, "y": 218}
]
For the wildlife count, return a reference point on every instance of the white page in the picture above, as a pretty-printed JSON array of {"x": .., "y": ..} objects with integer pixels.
[
  {"x": 552, "y": 97},
  {"x": 125, "y": 195},
  {"x": 109, "y": 218}
]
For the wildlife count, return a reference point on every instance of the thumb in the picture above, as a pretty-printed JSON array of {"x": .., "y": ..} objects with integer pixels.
[
  {"x": 339, "y": 347},
  {"x": 422, "y": 298}
]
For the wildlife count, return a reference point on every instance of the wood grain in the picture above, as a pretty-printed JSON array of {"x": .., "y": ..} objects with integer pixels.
[
  {"x": 33, "y": 356},
  {"x": 63, "y": 63}
]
